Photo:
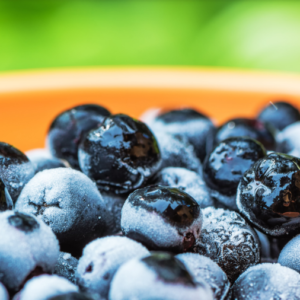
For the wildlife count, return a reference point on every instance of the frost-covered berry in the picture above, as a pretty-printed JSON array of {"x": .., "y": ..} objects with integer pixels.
[
  {"x": 269, "y": 194},
  {"x": 224, "y": 167},
  {"x": 5, "y": 198},
  {"x": 101, "y": 259},
  {"x": 70, "y": 203},
  {"x": 159, "y": 276},
  {"x": 162, "y": 218},
  {"x": 267, "y": 281},
  {"x": 3, "y": 292},
  {"x": 28, "y": 247},
  {"x": 15, "y": 169},
  {"x": 176, "y": 151},
  {"x": 121, "y": 155},
  {"x": 66, "y": 266},
  {"x": 69, "y": 127},
  {"x": 187, "y": 123},
  {"x": 288, "y": 141},
  {"x": 204, "y": 269},
  {"x": 43, "y": 160},
  {"x": 44, "y": 287},
  {"x": 229, "y": 241},
  {"x": 188, "y": 182},
  {"x": 279, "y": 114}
]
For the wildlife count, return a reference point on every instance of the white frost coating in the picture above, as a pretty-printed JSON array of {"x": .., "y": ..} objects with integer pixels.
[
  {"x": 287, "y": 137},
  {"x": 21, "y": 252},
  {"x": 152, "y": 226},
  {"x": 102, "y": 258},
  {"x": 204, "y": 269},
  {"x": 267, "y": 281},
  {"x": 65, "y": 199},
  {"x": 187, "y": 181},
  {"x": 3, "y": 292},
  {"x": 45, "y": 286},
  {"x": 136, "y": 281}
]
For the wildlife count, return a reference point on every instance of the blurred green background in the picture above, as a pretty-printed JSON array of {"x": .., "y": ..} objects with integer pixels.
[{"x": 248, "y": 34}]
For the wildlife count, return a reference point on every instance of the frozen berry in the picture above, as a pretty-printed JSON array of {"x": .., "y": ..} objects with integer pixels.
[
  {"x": 224, "y": 167},
  {"x": 176, "y": 151},
  {"x": 187, "y": 123},
  {"x": 5, "y": 198},
  {"x": 15, "y": 169},
  {"x": 229, "y": 241},
  {"x": 267, "y": 281},
  {"x": 203, "y": 268},
  {"x": 3, "y": 292},
  {"x": 188, "y": 182},
  {"x": 28, "y": 247},
  {"x": 159, "y": 276},
  {"x": 269, "y": 194},
  {"x": 162, "y": 218},
  {"x": 279, "y": 114},
  {"x": 46, "y": 286},
  {"x": 262, "y": 132},
  {"x": 288, "y": 141},
  {"x": 66, "y": 266},
  {"x": 120, "y": 155},
  {"x": 43, "y": 160},
  {"x": 70, "y": 203},
  {"x": 69, "y": 127},
  {"x": 101, "y": 259}
]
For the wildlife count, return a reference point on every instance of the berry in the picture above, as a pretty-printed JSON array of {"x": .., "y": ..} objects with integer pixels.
[
  {"x": 159, "y": 276},
  {"x": 229, "y": 241},
  {"x": 15, "y": 169},
  {"x": 268, "y": 194},
  {"x": 267, "y": 281},
  {"x": 188, "y": 182},
  {"x": 101, "y": 259},
  {"x": 279, "y": 114},
  {"x": 5, "y": 198},
  {"x": 265, "y": 247},
  {"x": 120, "y": 155},
  {"x": 162, "y": 218},
  {"x": 69, "y": 127},
  {"x": 66, "y": 266},
  {"x": 224, "y": 167},
  {"x": 203, "y": 268},
  {"x": 69, "y": 202},
  {"x": 28, "y": 247},
  {"x": 288, "y": 141}
]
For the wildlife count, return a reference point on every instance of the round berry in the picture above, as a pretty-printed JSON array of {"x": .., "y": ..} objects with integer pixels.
[
  {"x": 279, "y": 114},
  {"x": 66, "y": 266},
  {"x": 229, "y": 241},
  {"x": 159, "y": 276},
  {"x": 120, "y": 155},
  {"x": 69, "y": 127},
  {"x": 269, "y": 194},
  {"x": 163, "y": 218},
  {"x": 288, "y": 141}
]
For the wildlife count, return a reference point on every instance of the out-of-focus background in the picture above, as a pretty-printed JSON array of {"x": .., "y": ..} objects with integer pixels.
[{"x": 65, "y": 33}]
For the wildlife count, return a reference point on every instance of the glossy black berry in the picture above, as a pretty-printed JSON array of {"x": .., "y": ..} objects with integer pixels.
[
  {"x": 69, "y": 127},
  {"x": 15, "y": 169},
  {"x": 262, "y": 132},
  {"x": 224, "y": 167},
  {"x": 279, "y": 114},
  {"x": 5, "y": 198},
  {"x": 188, "y": 123},
  {"x": 120, "y": 155},
  {"x": 162, "y": 218},
  {"x": 269, "y": 194}
]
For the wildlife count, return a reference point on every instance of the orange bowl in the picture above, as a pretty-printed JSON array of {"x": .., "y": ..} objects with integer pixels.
[{"x": 30, "y": 100}]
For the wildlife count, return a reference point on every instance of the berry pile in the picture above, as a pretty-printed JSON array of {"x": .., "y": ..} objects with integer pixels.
[{"x": 169, "y": 208}]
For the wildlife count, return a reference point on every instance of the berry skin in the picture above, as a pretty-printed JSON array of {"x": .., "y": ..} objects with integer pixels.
[
  {"x": 229, "y": 241},
  {"x": 269, "y": 194},
  {"x": 120, "y": 155},
  {"x": 159, "y": 276},
  {"x": 224, "y": 167},
  {"x": 28, "y": 247},
  {"x": 162, "y": 218},
  {"x": 262, "y": 132},
  {"x": 69, "y": 127},
  {"x": 100, "y": 261},
  {"x": 66, "y": 266},
  {"x": 279, "y": 114},
  {"x": 15, "y": 169}
]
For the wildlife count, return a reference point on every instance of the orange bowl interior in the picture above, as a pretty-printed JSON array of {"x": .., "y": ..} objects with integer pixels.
[{"x": 30, "y": 100}]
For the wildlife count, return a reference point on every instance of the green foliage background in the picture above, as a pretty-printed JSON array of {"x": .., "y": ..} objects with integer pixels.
[{"x": 61, "y": 33}]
